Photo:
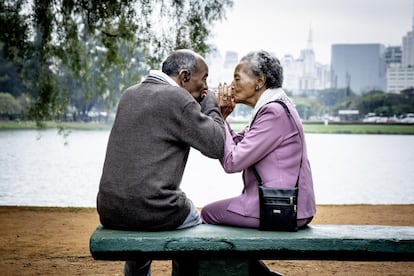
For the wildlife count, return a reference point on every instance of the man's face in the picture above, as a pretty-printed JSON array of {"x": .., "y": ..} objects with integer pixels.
[{"x": 197, "y": 83}]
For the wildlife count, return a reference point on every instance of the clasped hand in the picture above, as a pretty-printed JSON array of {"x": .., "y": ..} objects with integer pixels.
[{"x": 225, "y": 99}]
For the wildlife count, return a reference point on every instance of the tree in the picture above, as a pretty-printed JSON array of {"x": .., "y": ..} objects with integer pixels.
[
  {"x": 385, "y": 104},
  {"x": 308, "y": 107},
  {"x": 9, "y": 107},
  {"x": 332, "y": 97},
  {"x": 83, "y": 53},
  {"x": 13, "y": 47}
]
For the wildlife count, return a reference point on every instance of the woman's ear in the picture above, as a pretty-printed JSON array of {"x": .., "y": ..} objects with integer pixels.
[{"x": 261, "y": 81}]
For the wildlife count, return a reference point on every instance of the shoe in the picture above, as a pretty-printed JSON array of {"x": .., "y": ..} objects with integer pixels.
[
  {"x": 275, "y": 273},
  {"x": 258, "y": 268}
]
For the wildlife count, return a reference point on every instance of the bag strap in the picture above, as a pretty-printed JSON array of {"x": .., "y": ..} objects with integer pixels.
[{"x": 256, "y": 174}]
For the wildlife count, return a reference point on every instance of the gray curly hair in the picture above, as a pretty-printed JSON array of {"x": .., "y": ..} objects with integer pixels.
[{"x": 263, "y": 63}]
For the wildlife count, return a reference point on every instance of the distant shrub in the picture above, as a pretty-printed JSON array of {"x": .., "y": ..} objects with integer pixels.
[{"x": 9, "y": 106}]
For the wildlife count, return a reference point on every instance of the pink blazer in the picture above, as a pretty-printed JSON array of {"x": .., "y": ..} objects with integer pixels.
[{"x": 274, "y": 145}]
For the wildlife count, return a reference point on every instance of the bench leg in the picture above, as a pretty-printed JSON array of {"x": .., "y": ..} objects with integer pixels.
[{"x": 228, "y": 267}]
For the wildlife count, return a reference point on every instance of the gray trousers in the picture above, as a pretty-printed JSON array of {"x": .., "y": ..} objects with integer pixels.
[{"x": 143, "y": 267}]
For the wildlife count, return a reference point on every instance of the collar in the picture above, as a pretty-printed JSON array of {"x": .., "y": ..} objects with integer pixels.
[
  {"x": 268, "y": 96},
  {"x": 161, "y": 75}
]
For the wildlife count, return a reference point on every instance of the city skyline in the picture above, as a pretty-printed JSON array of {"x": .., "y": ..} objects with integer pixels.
[{"x": 255, "y": 25}]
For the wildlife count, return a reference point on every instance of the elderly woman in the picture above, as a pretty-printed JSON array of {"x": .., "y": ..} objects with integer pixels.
[{"x": 272, "y": 143}]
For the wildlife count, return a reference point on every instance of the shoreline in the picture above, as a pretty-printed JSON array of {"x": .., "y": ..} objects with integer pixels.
[
  {"x": 55, "y": 240},
  {"x": 309, "y": 127}
]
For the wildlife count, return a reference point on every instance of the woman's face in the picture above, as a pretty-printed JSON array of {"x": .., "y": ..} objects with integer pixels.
[{"x": 244, "y": 84}]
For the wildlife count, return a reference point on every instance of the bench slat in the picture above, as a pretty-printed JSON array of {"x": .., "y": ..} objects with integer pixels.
[{"x": 316, "y": 242}]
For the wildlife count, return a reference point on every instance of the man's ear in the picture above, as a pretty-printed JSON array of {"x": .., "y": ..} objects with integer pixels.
[{"x": 184, "y": 76}]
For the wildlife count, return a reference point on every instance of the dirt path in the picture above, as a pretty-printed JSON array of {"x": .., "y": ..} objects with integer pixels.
[{"x": 55, "y": 241}]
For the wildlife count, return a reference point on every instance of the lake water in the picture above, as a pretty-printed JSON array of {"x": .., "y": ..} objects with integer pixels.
[{"x": 38, "y": 169}]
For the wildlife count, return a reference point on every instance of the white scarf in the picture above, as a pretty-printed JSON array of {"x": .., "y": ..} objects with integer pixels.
[
  {"x": 161, "y": 75},
  {"x": 268, "y": 96}
]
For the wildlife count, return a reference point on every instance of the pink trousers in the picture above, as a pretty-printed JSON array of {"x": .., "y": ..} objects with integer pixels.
[{"x": 217, "y": 213}]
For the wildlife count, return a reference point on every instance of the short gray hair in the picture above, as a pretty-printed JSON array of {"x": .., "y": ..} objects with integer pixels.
[
  {"x": 263, "y": 63},
  {"x": 180, "y": 60}
]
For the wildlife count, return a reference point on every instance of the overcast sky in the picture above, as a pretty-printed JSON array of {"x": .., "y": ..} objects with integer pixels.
[{"x": 282, "y": 26}]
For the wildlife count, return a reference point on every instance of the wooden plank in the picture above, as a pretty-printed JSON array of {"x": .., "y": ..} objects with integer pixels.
[{"x": 334, "y": 242}]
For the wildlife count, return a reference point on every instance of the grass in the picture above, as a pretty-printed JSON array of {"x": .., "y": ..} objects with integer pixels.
[
  {"x": 360, "y": 128},
  {"x": 49, "y": 208},
  {"x": 355, "y": 128},
  {"x": 10, "y": 125}
]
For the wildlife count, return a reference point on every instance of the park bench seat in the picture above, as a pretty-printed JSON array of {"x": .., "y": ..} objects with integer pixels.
[{"x": 223, "y": 250}]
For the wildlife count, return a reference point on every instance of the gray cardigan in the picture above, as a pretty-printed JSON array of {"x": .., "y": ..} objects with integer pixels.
[{"x": 155, "y": 126}]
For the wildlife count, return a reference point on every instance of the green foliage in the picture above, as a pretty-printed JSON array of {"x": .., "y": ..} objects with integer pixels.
[
  {"x": 14, "y": 108},
  {"x": 82, "y": 54},
  {"x": 308, "y": 107},
  {"x": 379, "y": 102},
  {"x": 385, "y": 104},
  {"x": 8, "y": 106}
]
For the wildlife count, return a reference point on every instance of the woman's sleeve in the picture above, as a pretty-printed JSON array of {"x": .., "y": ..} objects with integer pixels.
[
  {"x": 236, "y": 136},
  {"x": 266, "y": 134}
]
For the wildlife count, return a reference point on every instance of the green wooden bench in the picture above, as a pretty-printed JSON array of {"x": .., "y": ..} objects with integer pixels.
[{"x": 222, "y": 250}]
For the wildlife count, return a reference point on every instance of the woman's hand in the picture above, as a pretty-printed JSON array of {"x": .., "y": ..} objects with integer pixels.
[{"x": 225, "y": 99}]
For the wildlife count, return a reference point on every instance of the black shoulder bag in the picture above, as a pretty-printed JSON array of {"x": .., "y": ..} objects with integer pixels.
[{"x": 278, "y": 207}]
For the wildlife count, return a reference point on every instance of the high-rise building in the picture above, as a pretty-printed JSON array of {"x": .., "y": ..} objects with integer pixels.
[
  {"x": 307, "y": 78},
  {"x": 304, "y": 75},
  {"x": 400, "y": 75},
  {"x": 231, "y": 59},
  {"x": 221, "y": 69},
  {"x": 360, "y": 67},
  {"x": 408, "y": 47},
  {"x": 399, "y": 78},
  {"x": 291, "y": 72},
  {"x": 393, "y": 54}
]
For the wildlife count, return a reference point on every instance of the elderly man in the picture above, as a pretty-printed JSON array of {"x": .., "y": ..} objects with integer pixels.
[{"x": 156, "y": 123}]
